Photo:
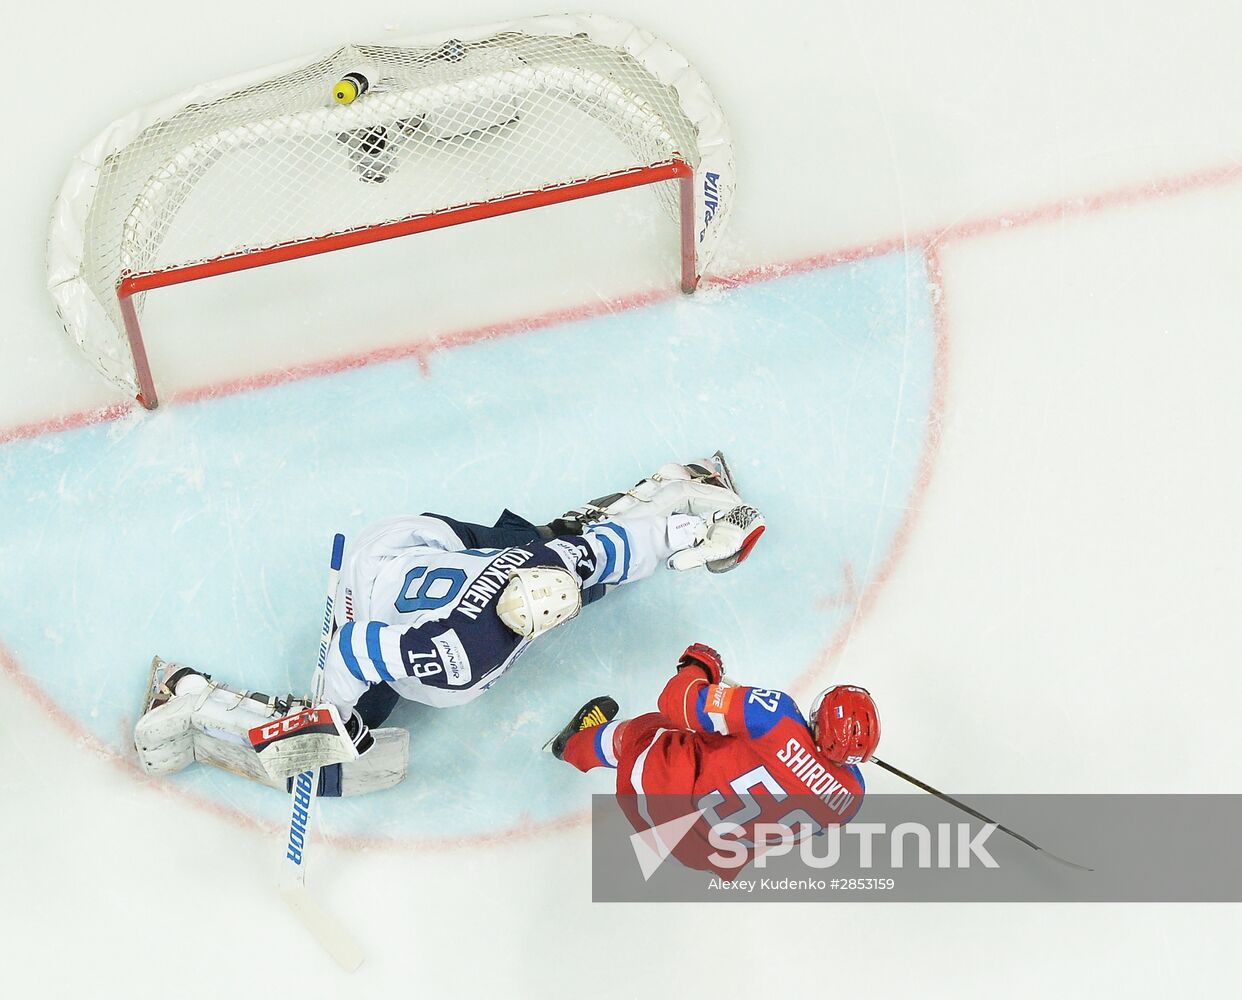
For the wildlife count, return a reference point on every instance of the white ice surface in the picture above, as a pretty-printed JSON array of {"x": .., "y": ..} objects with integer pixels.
[{"x": 1063, "y": 616}]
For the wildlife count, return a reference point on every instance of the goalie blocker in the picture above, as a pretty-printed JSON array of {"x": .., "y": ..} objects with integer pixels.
[{"x": 188, "y": 717}]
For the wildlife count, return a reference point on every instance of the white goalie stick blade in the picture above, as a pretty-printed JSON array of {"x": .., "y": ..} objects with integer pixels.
[{"x": 331, "y": 935}]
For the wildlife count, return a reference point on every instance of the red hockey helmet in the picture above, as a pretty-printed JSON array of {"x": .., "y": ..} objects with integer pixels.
[{"x": 845, "y": 724}]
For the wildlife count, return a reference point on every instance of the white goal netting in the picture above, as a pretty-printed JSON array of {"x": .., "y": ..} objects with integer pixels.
[{"x": 270, "y": 160}]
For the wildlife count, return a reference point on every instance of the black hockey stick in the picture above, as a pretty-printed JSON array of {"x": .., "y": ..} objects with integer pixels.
[{"x": 975, "y": 813}]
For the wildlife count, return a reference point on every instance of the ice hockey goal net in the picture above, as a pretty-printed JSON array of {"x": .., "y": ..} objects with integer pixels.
[{"x": 467, "y": 125}]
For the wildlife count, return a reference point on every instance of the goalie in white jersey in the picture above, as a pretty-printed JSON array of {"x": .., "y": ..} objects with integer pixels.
[{"x": 436, "y": 610}]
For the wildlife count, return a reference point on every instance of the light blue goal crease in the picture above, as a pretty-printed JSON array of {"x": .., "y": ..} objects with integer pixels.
[{"x": 202, "y": 531}]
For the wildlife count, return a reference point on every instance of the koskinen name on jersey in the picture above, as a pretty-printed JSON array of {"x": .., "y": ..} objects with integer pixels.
[
  {"x": 803, "y": 766},
  {"x": 490, "y": 582}
]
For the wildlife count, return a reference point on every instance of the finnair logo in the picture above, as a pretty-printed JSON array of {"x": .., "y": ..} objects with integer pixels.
[{"x": 653, "y": 845}]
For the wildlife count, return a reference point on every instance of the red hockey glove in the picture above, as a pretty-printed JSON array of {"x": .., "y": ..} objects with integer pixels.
[{"x": 700, "y": 655}]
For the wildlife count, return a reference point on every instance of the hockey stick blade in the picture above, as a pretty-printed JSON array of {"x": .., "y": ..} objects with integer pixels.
[
  {"x": 331, "y": 935},
  {"x": 978, "y": 815}
]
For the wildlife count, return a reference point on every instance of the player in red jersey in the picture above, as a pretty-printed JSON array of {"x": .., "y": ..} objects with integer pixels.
[{"x": 739, "y": 755}]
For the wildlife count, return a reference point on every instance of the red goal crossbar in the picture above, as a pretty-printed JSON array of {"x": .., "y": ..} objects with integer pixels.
[{"x": 132, "y": 284}]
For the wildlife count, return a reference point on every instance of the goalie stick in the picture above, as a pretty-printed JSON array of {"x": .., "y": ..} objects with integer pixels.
[
  {"x": 976, "y": 814},
  {"x": 331, "y": 935}
]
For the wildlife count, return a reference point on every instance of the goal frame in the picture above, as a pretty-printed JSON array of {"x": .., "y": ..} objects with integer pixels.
[
  {"x": 124, "y": 191},
  {"x": 136, "y": 283}
]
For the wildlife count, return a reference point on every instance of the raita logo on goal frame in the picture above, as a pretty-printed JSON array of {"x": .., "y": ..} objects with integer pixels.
[{"x": 711, "y": 200}]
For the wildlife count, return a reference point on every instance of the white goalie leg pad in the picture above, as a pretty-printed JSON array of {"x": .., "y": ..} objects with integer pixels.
[
  {"x": 210, "y": 723},
  {"x": 674, "y": 489},
  {"x": 384, "y": 765},
  {"x": 164, "y": 737}
]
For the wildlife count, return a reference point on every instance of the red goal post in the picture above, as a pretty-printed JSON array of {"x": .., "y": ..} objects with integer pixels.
[{"x": 450, "y": 129}]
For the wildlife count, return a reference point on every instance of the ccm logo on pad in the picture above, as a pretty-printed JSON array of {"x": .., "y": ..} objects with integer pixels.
[{"x": 276, "y": 729}]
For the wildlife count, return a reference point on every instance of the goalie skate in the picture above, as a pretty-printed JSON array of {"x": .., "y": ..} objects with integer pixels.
[
  {"x": 723, "y": 472},
  {"x": 161, "y": 682}
]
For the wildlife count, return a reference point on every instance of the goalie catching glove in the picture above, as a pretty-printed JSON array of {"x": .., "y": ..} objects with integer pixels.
[
  {"x": 705, "y": 522},
  {"x": 727, "y": 540}
]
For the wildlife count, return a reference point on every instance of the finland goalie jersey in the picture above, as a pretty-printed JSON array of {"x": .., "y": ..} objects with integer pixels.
[{"x": 417, "y": 608}]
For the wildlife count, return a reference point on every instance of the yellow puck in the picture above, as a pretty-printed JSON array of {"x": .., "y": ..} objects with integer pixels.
[{"x": 345, "y": 92}]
